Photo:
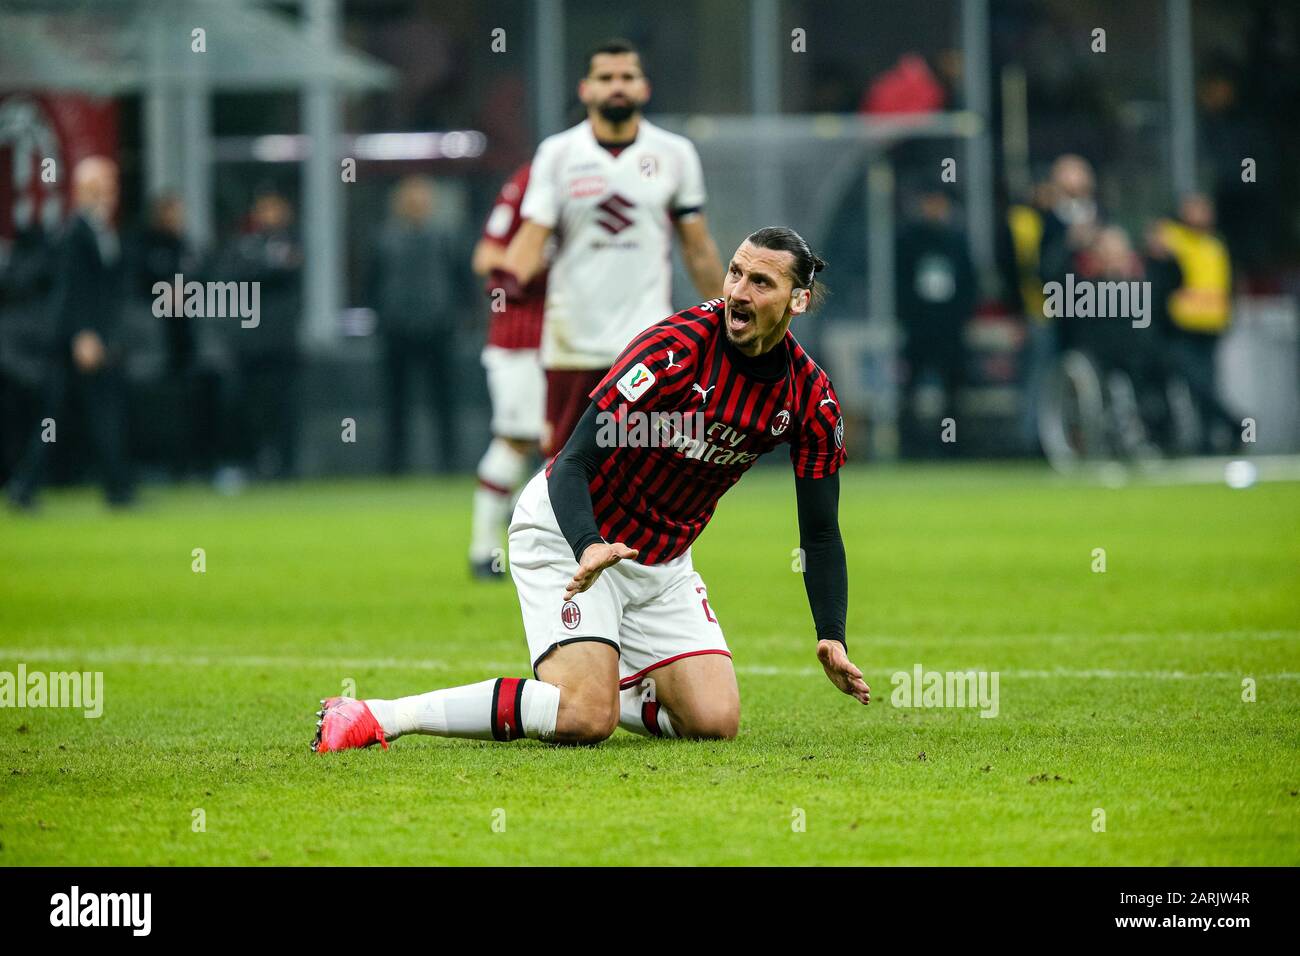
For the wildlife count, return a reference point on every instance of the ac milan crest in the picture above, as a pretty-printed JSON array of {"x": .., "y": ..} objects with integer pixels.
[{"x": 570, "y": 615}]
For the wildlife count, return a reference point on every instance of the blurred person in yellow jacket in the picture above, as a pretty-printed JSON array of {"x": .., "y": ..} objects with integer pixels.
[
  {"x": 1200, "y": 309},
  {"x": 1025, "y": 223}
]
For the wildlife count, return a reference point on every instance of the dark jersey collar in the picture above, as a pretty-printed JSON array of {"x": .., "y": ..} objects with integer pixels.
[{"x": 771, "y": 366}]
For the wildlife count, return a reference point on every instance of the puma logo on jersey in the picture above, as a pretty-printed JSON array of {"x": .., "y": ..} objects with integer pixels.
[
  {"x": 826, "y": 401},
  {"x": 704, "y": 392},
  {"x": 671, "y": 363}
]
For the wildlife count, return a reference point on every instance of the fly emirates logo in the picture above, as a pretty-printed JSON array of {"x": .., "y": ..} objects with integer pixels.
[{"x": 720, "y": 445}]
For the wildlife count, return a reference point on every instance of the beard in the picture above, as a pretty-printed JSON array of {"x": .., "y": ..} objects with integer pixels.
[
  {"x": 745, "y": 335},
  {"x": 616, "y": 112}
]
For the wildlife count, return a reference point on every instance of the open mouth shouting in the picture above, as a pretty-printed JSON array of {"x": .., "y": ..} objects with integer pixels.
[{"x": 739, "y": 319}]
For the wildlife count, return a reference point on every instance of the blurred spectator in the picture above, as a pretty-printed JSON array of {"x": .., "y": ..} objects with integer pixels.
[
  {"x": 25, "y": 339},
  {"x": 1116, "y": 344},
  {"x": 949, "y": 64},
  {"x": 937, "y": 290},
  {"x": 1072, "y": 221},
  {"x": 1113, "y": 340},
  {"x": 1233, "y": 125},
  {"x": 1025, "y": 222},
  {"x": 909, "y": 86},
  {"x": 1164, "y": 274},
  {"x": 1200, "y": 309},
  {"x": 411, "y": 287},
  {"x": 161, "y": 252},
  {"x": 267, "y": 355},
  {"x": 85, "y": 360},
  {"x": 1162, "y": 271}
]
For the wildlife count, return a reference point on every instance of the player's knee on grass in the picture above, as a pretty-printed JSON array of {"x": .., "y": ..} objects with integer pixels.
[
  {"x": 718, "y": 722},
  {"x": 701, "y": 697},
  {"x": 587, "y": 674},
  {"x": 585, "y": 718}
]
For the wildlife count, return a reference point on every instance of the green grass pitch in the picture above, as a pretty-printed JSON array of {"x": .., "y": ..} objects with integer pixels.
[{"x": 1120, "y": 691}]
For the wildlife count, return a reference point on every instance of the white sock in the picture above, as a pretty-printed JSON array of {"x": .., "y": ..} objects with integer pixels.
[
  {"x": 499, "y": 472},
  {"x": 640, "y": 713},
  {"x": 504, "y": 708}
]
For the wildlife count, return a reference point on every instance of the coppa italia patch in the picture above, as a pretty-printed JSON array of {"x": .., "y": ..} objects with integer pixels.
[{"x": 636, "y": 381}]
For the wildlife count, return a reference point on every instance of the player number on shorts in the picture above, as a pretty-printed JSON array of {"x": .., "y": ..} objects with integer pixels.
[{"x": 705, "y": 602}]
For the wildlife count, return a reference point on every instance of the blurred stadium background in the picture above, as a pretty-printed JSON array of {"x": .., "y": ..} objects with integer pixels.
[
  {"x": 833, "y": 117},
  {"x": 219, "y": 621}
]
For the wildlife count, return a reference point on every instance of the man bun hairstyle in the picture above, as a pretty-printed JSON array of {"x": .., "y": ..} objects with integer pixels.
[{"x": 806, "y": 263}]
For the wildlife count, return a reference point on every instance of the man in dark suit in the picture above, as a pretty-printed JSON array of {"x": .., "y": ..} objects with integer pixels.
[{"x": 85, "y": 354}]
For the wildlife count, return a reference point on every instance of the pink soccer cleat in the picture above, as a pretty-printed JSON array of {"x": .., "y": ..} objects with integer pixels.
[{"x": 346, "y": 723}]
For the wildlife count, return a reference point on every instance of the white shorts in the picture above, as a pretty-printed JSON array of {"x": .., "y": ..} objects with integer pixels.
[
  {"x": 517, "y": 387},
  {"x": 651, "y": 614}
]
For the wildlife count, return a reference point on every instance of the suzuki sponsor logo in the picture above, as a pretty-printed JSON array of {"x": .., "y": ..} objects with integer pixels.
[{"x": 613, "y": 216}]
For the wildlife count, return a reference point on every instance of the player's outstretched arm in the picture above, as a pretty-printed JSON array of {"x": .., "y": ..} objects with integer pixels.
[
  {"x": 843, "y": 673},
  {"x": 596, "y": 558},
  {"x": 569, "y": 485},
  {"x": 526, "y": 254},
  {"x": 826, "y": 579},
  {"x": 700, "y": 255},
  {"x": 488, "y": 255}
]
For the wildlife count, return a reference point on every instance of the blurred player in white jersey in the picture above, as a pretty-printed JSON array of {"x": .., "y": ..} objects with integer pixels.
[{"x": 612, "y": 189}]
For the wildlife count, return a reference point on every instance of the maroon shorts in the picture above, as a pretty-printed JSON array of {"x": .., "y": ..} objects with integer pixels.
[{"x": 566, "y": 400}]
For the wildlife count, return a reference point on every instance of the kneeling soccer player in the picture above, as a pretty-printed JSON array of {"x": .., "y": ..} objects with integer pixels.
[{"x": 600, "y": 540}]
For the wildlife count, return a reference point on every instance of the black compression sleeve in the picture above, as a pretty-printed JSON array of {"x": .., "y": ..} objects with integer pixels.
[
  {"x": 826, "y": 575},
  {"x": 569, "y": 484}
]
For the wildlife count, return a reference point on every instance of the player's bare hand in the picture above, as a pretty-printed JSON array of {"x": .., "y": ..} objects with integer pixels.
[
  {"x": 842, "y": 671},
  {"x": 595, "y": 559}
]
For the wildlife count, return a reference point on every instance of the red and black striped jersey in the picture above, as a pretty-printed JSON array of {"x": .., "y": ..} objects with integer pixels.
[
  {"x": 519, "y": 324},
  {"x": 687, "y": 414}
]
